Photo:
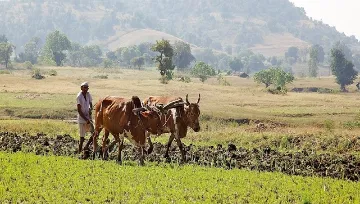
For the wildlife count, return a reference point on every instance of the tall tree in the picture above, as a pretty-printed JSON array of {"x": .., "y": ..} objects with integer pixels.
[
  {"x": 55, "y": 45},
  {"x": 292, "y": 52},
  {"x": 342, "y": 68},
  {"x": 236, "y": 64},
  {"x": 31, "y": 51},
  {"x": 138, "y": 62},
  {"x": 344, "y": 49},
  {"x": 182, "y": 55},
  {"x": 6, "y": 50},
  {"x": 164, "y": 59},
  {"x": 313, "y": 68},
  {"x": 317, "y": 53}
]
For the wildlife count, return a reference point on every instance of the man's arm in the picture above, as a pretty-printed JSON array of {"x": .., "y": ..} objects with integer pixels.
[{"x": 81, "y": 113}]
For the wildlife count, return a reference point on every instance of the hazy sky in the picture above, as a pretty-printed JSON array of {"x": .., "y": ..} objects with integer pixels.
[{"x": 343, "y": 14}]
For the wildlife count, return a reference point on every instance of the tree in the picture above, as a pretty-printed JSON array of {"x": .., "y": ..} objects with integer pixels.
[
  {"x": 164, "y": 60},
  {"x": 6, "y": 50},
  {"x": 203, "y": 71},
  {"x": 91, "y": 55},
  {"x": 276, "y": 76},
  {"x": 128, "y": 53},
  {"x": 281, "y": 78},
  {"x": 264, "y": 77},
  {"x": 342, "y": 68},
  {"x": 56, "y": 43},
  {"x": 236, "y": 64},
  {"x": 344, "y": 49},
  {"x": 207, "y": 56},
  {"x": 313, "y": 68},
  {"x": 111, "y": 55},
  {"x": 138, "y": 62},
  {"x": 292, "y": 52},
  {"x": 31, "y": 52},
  {"x": 317, "y": 53},
  {"x": 75, "y": 55},
  {"x": 182, "y": 55}
]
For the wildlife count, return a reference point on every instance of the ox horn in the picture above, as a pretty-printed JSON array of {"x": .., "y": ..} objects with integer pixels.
[
  {"x": 198, "y": 99},
  {"x": 187, "y": 101}
]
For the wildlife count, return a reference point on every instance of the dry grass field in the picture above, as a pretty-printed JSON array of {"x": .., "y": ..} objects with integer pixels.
[{"x": 314, "y": 115}]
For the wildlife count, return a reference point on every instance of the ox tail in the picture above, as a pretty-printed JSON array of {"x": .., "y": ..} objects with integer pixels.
[{"x": 136, "y": 101}]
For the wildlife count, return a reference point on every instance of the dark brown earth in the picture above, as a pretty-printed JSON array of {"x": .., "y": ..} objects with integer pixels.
[{"x": 302, "y": 163}]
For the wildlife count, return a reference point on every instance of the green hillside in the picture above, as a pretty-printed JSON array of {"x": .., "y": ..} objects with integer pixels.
[{"x": 265, "y": 26}]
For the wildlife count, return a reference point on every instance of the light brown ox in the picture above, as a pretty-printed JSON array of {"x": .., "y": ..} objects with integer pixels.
[
  {"x": 176, "y": 120},
  {"x": 120, "y": 116}
]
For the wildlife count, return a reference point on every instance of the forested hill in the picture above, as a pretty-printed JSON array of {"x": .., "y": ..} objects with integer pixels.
[{"x": 261, "y": 25}]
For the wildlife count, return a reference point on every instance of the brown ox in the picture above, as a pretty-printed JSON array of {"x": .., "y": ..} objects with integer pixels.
[
  {"x": 177, "y": 119},
  {"x": 120, "y": 116}
]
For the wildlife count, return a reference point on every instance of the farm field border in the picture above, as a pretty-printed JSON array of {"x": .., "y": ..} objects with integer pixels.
[{"x": 305, "y": 162}]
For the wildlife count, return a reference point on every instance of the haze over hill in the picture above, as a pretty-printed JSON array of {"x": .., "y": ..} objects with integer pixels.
[{"x": 269, "y": 27}]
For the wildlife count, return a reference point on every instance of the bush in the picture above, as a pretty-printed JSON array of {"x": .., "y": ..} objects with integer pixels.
[
  {"x": 277, "y": 90},
  {"x": 108, "y": 63},
  {"x": 5, "y": 72},
  {"x": 28, "y": 65},
  {"x": 36, "y": 74},
  {"x": 329, "y": 125},
  {"x": 203, "y": 71},
  {"x": 164, "y": 80},
  {"x": 222, "y": 81},
  {"x": 52, "y": 72},
  {"x": 185, "y": 79}
]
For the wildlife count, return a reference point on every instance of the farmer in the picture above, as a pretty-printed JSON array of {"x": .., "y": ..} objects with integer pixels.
[{"x": 84, "y": 107}]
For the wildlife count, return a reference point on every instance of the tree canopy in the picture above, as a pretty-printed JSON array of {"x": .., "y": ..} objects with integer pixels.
[
  {"x": 342, "y": 68},
  {"x": 55, "y": 45},
  {"x": 203, "y": 71},
  {"x": 276, "y": 76},
  {"x": 164, "y": 59},
  {"x": 182, "y": 55}
]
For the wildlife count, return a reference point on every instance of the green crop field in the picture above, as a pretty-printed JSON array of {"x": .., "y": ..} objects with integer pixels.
[
  {"x": 26, "y": 178},
  {"x": 321, "y": 123}
]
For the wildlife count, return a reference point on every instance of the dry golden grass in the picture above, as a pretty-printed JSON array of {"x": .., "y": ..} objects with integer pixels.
[{"x": 299, "y": 113}]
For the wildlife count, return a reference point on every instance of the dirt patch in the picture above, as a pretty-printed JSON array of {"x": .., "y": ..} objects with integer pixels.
[
  {"x": 302, "y": 163},
  {"x": 239, "y": 121},
  {"x": 313, "y": 89}
]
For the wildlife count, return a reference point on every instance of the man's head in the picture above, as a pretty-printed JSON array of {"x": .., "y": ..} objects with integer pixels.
[{"x": 84, "y": 87}]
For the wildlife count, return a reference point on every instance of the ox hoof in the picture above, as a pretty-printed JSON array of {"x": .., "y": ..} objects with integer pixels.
[{"x": 119, "y": 162}]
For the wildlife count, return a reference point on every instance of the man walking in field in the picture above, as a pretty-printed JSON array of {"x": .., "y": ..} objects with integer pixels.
[{"x": 84, "y": 107}]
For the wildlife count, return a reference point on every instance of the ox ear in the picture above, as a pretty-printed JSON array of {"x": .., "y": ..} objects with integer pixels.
[{"x": 145, "y": 114}]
